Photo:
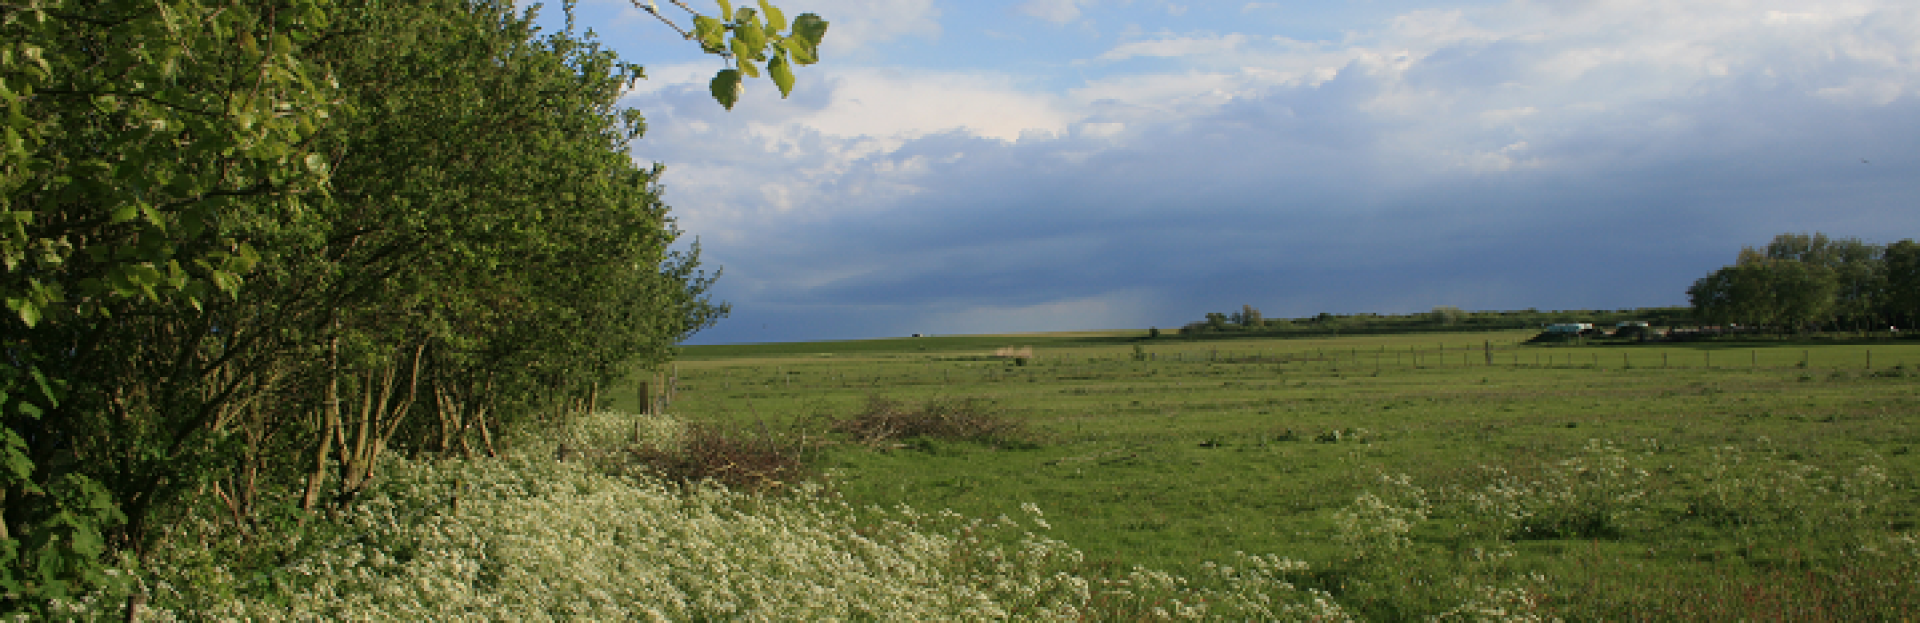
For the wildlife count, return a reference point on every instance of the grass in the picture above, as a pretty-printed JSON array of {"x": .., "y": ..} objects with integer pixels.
[
  {"x": 1203, "y": 449},
  {"x": 1368, "y": 478}
]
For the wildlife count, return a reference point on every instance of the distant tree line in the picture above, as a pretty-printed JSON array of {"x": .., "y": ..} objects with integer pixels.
[
  {"x": 1808, "y": 282},
  {"x": 1250, "y": 322}
]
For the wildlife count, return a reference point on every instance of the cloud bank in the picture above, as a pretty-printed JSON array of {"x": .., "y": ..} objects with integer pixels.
[{"x": 1530, "y": 154}]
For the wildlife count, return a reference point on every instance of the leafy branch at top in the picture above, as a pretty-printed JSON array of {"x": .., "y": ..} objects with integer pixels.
[{"x": 749, "y": 38}]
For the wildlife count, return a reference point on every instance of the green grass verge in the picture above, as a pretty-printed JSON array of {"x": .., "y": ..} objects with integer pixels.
[{"x": 1187, "y": 452}]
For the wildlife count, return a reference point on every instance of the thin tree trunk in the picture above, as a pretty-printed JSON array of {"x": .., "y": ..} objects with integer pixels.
[
  {"x": 330, "y": 429},
  {"x": 381, "y": 414}
]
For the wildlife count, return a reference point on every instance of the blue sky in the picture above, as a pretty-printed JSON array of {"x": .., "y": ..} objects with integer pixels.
[{"x": 1032, "y": 165}]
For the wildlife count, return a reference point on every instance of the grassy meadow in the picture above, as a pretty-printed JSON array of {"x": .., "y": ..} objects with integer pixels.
[
  {"x": 1722, "y": 480},
  {"x": 1110, "y": 477}
]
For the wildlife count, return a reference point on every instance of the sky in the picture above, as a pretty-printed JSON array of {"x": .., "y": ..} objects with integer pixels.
[{"x": 1043, "y": 165}]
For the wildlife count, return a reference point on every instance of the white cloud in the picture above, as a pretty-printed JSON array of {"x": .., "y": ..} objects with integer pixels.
[
  {"x": 1056, "y": 11},
  {"x": 1171, "y": 46},
  {"x": 1448, "y": 134},
  {"x": 856, "y": 25},
  {"x": 883, "y": 103}
]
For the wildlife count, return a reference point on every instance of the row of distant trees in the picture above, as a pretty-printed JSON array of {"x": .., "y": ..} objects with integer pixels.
[
  {"x": 1802, "y": 282},
  {"x": 1249, "y": 321},
  {"x": 252, "y": 246}
]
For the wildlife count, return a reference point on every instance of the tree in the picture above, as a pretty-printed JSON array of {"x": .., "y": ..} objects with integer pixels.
[
  {"x": 1801, "y": 294},
  {"x": 1762, "y": 291},
  {"x": 1217, "y": 322},
  {"x": 1855, "y": 267},
  {"x": 1900, "y": 296},
  {"x": 250, "y": 246}
]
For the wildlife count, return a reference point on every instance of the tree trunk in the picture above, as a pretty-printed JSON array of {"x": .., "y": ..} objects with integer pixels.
[
  {"x": 382, "y": 411},
  {"x": 330, "y": 427}
]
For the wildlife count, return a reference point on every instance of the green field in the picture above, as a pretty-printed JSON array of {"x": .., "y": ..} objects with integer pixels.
[{"x": 1720, "y": 480}]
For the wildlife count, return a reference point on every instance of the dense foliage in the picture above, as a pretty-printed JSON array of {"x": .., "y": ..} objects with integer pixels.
[
  {"x": 1801, "y": 282},
  {"x": 252, "y": 246}
]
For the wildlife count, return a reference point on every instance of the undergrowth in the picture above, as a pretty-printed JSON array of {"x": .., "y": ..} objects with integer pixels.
[
  {"x": 885, "y": 421},
  {"x": 563, "y": 528}
]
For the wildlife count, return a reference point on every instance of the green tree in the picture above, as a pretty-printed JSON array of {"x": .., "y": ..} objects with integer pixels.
[
  {"x": 135, "y": 135},
  {"x": 251, "y": 245},
  {"x": 1855, "y": 266},
  {"x": 1801, "y": 293},
  {"x": 1900, "y": 294},
  {"x": 1762, "y": 291}
]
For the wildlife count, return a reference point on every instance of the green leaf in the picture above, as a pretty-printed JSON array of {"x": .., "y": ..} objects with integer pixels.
[
  {"x": 28, "y": 312},
  {"x": 755, "y": 40},
  {"x": 47, "y": 388},
  {"x": 775, "y": 19},
  {"x": 808, "y": 31},
  {"x": 782, "y": 74},
  {"x": 810, "y": 28},
  {"x": 726, "y": 87},
  {"x": 15, "y": 146},
  {"x": 802, "y": 53},
  {"x": 726, "y": 8},
  {"x": 15, "y": 461},
  {"x": 711, "y": 33}
]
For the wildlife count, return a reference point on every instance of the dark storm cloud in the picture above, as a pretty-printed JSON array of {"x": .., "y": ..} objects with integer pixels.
[{"x": 1307, "y": 197}]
